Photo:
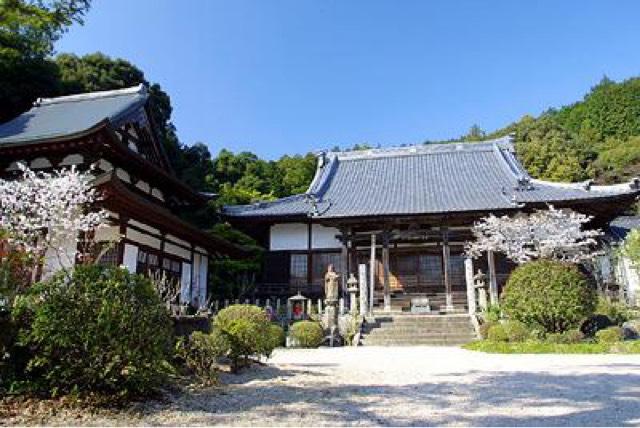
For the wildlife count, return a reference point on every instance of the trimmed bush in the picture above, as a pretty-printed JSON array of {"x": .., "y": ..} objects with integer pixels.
[
  {"x": 515, "y": 331},
  {"x": 609, "y": 335},
  {"x": 568, "y": 337},
  {"x": 200, "y": 352},
  {"x": 617, "y": 312},
  {"x": 277, "y": 335},
  {"x": 484, "y": 328},
  {"x": 497, "y": 333},
  {"x": 307, "y": 334},
  {"x": 555, "y": 296},
  {"x": 99, "y": 329},
  {"x": 245, "y": 329}
]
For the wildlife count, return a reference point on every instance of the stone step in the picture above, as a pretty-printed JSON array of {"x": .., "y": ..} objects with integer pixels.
[{"x": 413, "y": 343}]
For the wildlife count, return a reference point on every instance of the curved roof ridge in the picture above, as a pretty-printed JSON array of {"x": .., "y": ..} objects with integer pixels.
[
  {"x": 586, "y": 185},
  {"x": 425, "y": 148},
  {"x": 138, "y": 89}
]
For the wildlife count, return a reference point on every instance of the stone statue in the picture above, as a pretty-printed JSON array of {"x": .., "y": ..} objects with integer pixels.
[{"x": 331, "y": 284}]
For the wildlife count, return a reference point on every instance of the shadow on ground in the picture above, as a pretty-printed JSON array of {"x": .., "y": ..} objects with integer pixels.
[{"x": 535, "y": 398}]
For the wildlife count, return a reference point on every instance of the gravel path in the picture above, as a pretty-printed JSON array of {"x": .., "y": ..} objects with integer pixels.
[{"x": 407, "y": 386}]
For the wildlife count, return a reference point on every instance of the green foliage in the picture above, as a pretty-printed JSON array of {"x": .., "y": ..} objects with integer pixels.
[
  {"x": 200, "y": 353},
  {"x": 497, "y": 333},
  {"x": 99, "y": 330},
  {"x": 28, "y": 30},
  {"x": 617, "y": 312},
  {"x": 515, "y": 331},
  {"x": 246, "y": 331},
  {"x": 609, "y": 335},
  {"x": 543, "y": 348},
  {"x": 307, "y": 334},
  {"x": 492, "y": 313},
  {"x": 593, "y": 138},
  {"x": 548, "y": 294},
  {"x": 631, "y": 247},
  {"x": 277, "y": 336},
  {"x": 594, "y": 323},
  {"x": 485, "y": 327},
  {"x": 567, "y": 337}
]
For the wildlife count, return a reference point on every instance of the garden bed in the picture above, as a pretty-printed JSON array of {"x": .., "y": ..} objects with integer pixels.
[{"x": 530, "y": 347}]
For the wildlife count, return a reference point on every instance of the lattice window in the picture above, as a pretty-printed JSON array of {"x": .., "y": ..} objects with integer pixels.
[{"x": 298, "y": 269}]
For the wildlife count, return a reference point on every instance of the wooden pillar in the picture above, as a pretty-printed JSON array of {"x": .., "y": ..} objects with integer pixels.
[
  {"x": 471, "y": 287},
  {"x": 385, "y": 272},
  {"x": 372, "y": 272},
  {"x": 446, "y": 269},
  {"x": 344, "y": 261},
  {"x": 493, "y": 280}
]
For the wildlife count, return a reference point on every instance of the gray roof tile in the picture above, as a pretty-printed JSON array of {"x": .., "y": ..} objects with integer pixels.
[
  {"x": 69, "y": 115},
  {"x": 427, "y": 179}
]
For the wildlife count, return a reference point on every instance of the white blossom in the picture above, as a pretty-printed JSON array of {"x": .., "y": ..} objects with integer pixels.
[
  {"x": 40, "y": 210},
  {"x": 552, "y": 233}
]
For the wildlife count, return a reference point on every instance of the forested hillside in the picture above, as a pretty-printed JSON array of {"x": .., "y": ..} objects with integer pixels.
[{"x": 598, "y": 137}]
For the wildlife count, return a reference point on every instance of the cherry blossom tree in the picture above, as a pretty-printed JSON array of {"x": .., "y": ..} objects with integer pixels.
[
  {"x": 550, "y": 234},
  {"x": 45, "y": 212}
]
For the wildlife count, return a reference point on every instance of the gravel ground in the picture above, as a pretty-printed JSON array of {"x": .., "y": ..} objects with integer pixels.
[{"x": 401, "y": 386}]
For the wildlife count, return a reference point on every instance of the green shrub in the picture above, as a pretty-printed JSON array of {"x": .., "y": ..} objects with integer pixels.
[
  {"x": 277, "y": 335},
  {"x": 537, "y": 334},
  {"x": 245, "y": 329},
  {"x": 609, "y": 335},
  {"x": 617, "y": 312},
  {"x": 595, "y": 323},
  {"x": 492, "y": 314},
  {"x": 497, "y": 333},
  {"x": 568, "y": 337},
  {"x": 553, "y": 295},
  {"x": 200, "y": 352},
  {"x": 515, "y": 331},
  {"x": 307, "y": 334},
  {"x": 98, "y": 329},
  {"x": 484, "y": 328}
]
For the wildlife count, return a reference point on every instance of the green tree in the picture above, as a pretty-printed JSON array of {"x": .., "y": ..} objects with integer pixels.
[{"x": 28, "y": 30}]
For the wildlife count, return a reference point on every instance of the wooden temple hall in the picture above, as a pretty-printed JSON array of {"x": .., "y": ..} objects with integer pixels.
[{"x": 406, "y": 214}]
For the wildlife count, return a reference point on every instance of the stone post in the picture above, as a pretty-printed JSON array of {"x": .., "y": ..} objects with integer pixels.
[
  {"x": 352, "y": 288},
  {"x": 471, "y": 289},
  {"x": 481, "y": 285},
  {"x": 364, "y": 290}
]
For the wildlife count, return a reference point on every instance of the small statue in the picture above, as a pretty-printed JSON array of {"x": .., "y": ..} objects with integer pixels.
[{"x": 331, "y": 284}]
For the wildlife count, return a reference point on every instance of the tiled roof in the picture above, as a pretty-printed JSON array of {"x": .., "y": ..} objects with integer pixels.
[
  {"x": 425, "y": 179},
  {"x": 65, "y": 116},
  {"x": 621, "y": 226}
]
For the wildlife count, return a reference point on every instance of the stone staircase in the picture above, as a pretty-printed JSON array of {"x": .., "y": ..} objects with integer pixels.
[{"x": 398, "y": 329}]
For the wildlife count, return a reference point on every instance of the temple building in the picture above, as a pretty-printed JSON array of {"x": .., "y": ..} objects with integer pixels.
[
  {"x": 406, "y": 213},
  {"x": 113, "y": 132}
]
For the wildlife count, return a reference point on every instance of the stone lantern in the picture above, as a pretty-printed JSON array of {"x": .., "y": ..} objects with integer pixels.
[
  {"x": 352, "y": 288},
  {"x": 297, "y": 305},
  {"x": 480, "y": 284}
]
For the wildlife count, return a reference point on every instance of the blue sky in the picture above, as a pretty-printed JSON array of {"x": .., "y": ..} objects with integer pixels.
[{"x": 278, "y": 77}]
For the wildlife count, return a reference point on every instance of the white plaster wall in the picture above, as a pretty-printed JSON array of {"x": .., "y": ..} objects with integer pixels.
[
  {"x": 130, "y": 257},
  {"x": 107, "y": 233},
  {"x": 204, "y": 267},
  {"x": 177, "y": 240},
  {"x": 324, "y": 237},
  {"x": 289, "y": 236},
  {"x": 143, "y": 238},
  {"x": 185, "y": 283},
  {"x": 144, "y": 226},
  {"x": 177, "y": 251},
  {"x": 74, "y": 159}
]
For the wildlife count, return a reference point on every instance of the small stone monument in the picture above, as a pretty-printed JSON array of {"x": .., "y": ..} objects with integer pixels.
[
  {"x": 331, "y": 288},
  {"x": 480, "y": 284},
  {"x": 352, "y": 288}
]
